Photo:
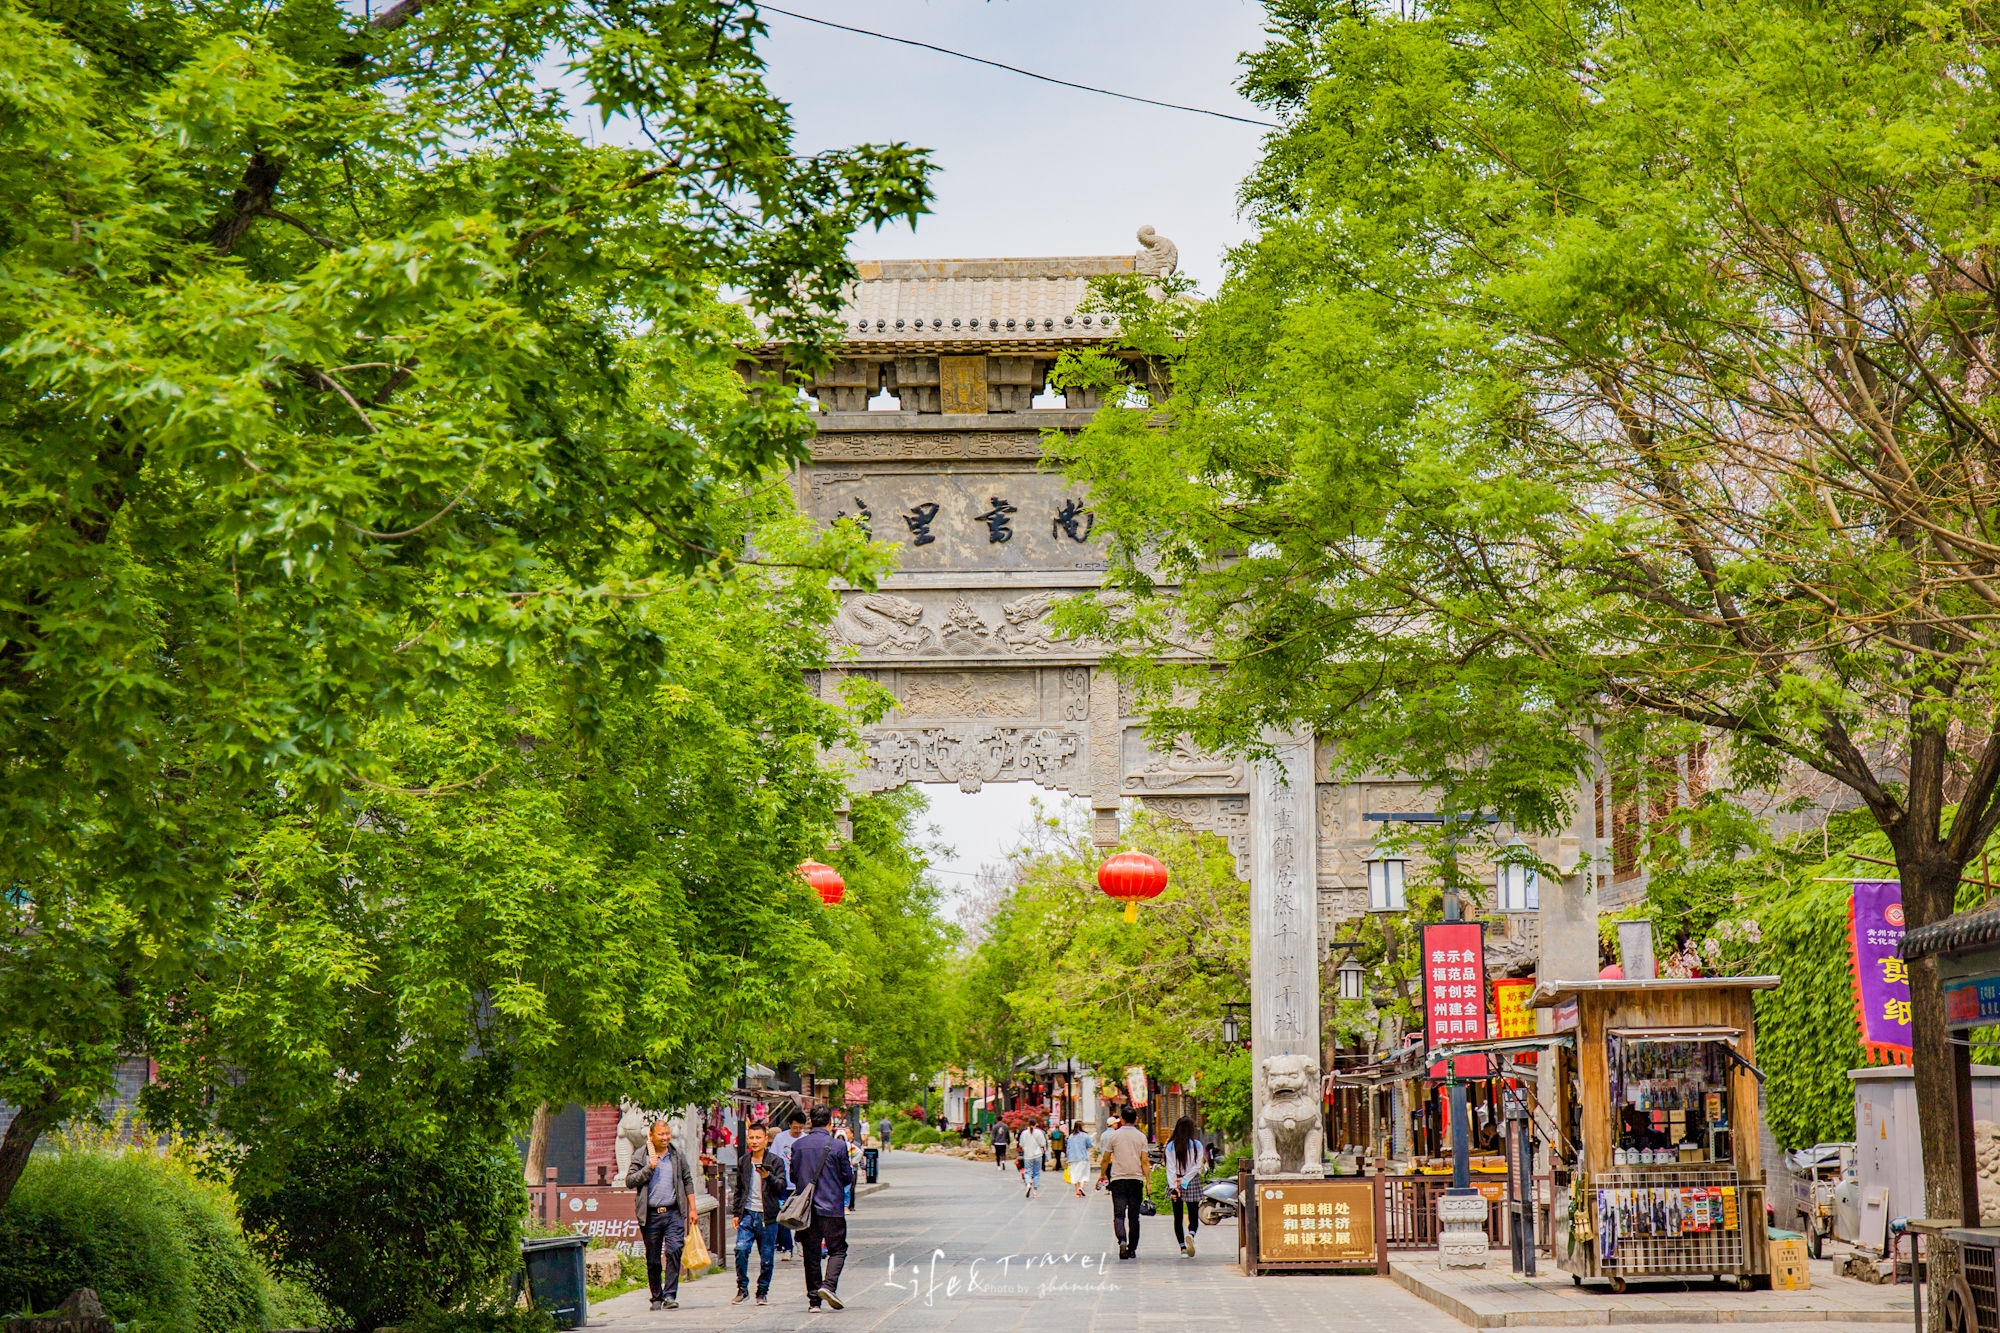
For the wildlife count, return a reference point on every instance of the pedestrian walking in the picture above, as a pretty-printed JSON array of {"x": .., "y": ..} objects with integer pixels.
[
  {"x": 1000, "y": 1141},
  {"x": 853, "y": 1151},
  {"x": 665, "y": 1185},
  {"x": 1186, "y": 1160},
  {"x": 885, "y": 1127},
  {"x": 1076, "y": 1148},
  {"x": 782, "y": 1145},
  {"x": 820, "y": 1164},
  {"x": 1034, "y": 1146},
  {"x": 760, "y": 1189},
  {"x": 1125, "y": 1171}
]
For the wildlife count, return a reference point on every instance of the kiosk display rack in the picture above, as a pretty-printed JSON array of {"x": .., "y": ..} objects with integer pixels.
[{"x": 1654, "y": 1180}]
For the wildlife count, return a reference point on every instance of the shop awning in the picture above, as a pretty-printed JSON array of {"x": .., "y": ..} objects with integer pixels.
[
  {"x": 1695, "y": 1033},
  {"x": 1551, "y": 993},
  {"x": 1506, "y": 1046},
  {"x": 1541, "y": 1041},
  {"x": 1978, "y": 928},
  {"x": 1727, "y": 1036},
  {"x": 1416, "y": 1061}
]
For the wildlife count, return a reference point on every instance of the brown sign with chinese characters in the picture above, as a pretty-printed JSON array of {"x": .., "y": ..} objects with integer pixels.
[{"x": 1323, "y": 1221}]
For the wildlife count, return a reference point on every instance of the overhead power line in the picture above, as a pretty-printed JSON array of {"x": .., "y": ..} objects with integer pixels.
[{"x": 1015, "y": 69}]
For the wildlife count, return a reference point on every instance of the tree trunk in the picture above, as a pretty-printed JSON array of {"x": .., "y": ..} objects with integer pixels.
[
  {"x": 536, "y": 1167},
  {"x": 1943, "y": 1077},
  {"x": 34, "y": 1120}
]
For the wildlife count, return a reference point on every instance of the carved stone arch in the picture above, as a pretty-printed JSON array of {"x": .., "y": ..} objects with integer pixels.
[{"x": 991, "y": 540}]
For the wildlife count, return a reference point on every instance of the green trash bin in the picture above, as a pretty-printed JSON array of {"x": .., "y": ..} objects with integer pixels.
[{"x": 556, "y": 1278}]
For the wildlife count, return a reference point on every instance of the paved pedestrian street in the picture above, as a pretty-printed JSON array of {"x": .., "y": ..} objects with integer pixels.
[{"x": 971, "y": 1254}]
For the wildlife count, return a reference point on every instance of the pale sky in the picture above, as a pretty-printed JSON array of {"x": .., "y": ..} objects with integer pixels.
[
  {"x": 1027, "y": 168},
  {"x": 981, "y": 827}
]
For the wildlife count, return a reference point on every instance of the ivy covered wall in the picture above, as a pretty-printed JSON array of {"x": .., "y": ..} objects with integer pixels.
[{"x": 1806, "y": 1035}]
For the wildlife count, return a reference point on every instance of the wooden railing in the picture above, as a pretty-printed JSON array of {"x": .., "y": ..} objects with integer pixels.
[{"x": 1412, "y": 1204}]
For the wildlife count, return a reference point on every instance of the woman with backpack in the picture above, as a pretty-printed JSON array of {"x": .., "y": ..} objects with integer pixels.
[{"x": 1186, "y": 1160}]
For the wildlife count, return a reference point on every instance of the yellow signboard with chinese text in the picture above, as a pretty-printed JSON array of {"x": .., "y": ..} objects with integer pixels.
[{"x": 1330, "y": 1222}]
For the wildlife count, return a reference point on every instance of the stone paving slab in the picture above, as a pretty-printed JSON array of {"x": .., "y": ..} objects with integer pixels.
[
  {"x": 1498, "y": 1298},
  {"x": 971, "y": 1255}
]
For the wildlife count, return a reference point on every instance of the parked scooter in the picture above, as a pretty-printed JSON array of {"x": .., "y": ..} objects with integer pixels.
[{"x": 1219, "y": 1202}]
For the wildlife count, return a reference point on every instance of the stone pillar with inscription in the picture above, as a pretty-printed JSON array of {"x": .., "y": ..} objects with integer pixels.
[{"x": 1284, "y": 963}]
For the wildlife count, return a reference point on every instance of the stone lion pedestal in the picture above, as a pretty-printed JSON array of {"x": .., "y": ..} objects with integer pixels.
[{"x": 1462, "y": 1230}]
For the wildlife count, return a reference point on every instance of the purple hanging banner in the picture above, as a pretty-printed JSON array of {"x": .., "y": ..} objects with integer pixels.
[{"x": 1881, "y": 977}]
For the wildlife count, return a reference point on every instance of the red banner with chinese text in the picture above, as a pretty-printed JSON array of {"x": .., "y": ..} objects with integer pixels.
[{"x": 1455, "y": 993}]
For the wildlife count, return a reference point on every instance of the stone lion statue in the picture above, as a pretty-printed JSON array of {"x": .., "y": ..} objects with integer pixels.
[
  {"x": 631, "y": 1140},
  {"x": 1288, "y": 1116}
]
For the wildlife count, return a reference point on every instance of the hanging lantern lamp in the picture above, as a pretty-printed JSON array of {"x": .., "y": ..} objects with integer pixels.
[
  {"x": 1130, "y": 876},
  {"x": 825, "y": 880}
]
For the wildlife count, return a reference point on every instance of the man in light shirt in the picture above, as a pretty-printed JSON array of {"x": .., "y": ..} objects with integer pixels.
[{"x": 1125, "y": 1171}]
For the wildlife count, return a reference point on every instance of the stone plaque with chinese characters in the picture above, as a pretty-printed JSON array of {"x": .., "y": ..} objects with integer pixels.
[
  {"x": 962, "y": 382},
  {"x": 1330, "y": 1222},
  {"x": 966, "y": 518}
]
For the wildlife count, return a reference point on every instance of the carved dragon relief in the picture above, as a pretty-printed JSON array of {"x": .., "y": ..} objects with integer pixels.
[
  {"x": 883, "y": 624},
  {"x": 1024, "y": 631},
  {"x": 971, "y": 756},
  {"x": 1187, "y": 765}
]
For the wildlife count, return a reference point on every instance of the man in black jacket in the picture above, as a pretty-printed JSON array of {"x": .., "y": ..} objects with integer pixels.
[
  {"x": 819, "y": 1163},
  {"x": 759, "y": 1191},
  {"x": 665, "y": 1183}
]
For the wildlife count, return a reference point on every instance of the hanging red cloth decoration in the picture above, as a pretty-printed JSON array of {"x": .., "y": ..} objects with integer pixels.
[
  {"x": 1130, "y": 876},
  {"x": 826, "y": 882}
]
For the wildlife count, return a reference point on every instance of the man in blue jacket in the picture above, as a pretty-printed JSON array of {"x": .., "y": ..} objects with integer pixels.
[{"x": 819, "y": 1163}]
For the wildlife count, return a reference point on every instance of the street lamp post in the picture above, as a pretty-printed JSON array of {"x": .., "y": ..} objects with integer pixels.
[
  {"x": 1461, "y": 1130},
  {"x": 1349, "y": 976},
  {"x": 1386, "y": 869},
  {"x": 1516, "y": 883},
  {"x": 1232, "y": 1032}
]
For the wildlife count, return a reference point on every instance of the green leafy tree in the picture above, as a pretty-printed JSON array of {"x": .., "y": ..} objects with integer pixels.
[
  {"x": 381, "y": 1227},
  {"x": 878, "y": 1013},
  {"x": 1630, "y": 364},
  {"x": 312, "y": 409},
  {"x": 545, "y": 902},
  {"x": 1060, "y": 957}
]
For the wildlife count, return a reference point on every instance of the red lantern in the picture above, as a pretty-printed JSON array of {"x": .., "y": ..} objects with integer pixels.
[
  {"x": 1130, "y": 876},
  {"x": 826, "y": 882}
]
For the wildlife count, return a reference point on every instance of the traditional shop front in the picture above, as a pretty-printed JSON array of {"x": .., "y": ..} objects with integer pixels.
[{"x": 1656, "y": 1168}]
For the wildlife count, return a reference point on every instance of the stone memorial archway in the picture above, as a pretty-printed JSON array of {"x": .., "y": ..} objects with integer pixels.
[{"x": 986, "y": 691}]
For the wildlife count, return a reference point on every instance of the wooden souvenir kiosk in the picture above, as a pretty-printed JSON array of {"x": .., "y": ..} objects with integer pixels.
[{"x": 1656, "y": 1169}]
